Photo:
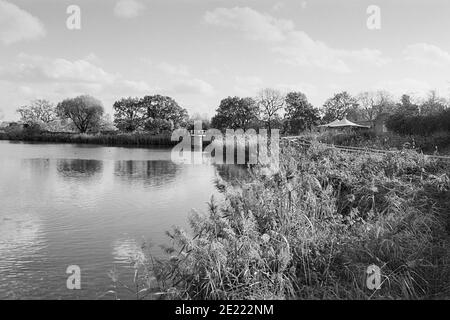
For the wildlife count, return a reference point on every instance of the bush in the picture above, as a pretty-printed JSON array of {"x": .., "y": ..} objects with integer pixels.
[
  {"x": 105, "y": 138},
  {"x": 311, "y": 230},
  {"x": 419, "y": 125},
  {"x": 437, "y": 143}
]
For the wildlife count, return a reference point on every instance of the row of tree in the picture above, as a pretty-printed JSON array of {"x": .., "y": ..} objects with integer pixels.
[
  {"x": 83, "y": 113},
  {"x": 265, "y": 110},
  {"x": 425, "y": 119},
  {"x": 292, "y": 113},
  {"x": 153, "y": 114}
]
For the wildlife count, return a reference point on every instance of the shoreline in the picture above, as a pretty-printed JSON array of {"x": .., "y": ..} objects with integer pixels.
[{"x": 107, "y": 139}]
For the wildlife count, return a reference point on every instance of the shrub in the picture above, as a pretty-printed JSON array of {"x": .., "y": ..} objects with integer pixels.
[
  {"x": 311, "y": 230},
  {"x": 105, "y": 138},
  {"x": 419, "y": 125},
  {"x": 438, "y": 142}
]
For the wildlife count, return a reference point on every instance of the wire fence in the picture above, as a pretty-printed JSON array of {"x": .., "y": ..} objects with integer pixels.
[{"x": 300, "y": 140}]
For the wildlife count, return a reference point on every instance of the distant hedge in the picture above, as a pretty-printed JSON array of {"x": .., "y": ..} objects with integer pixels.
[{"x": 419, "y": 125}]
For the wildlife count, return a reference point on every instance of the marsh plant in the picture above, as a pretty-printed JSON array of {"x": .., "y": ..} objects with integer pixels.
[{"x": 311, "y": 229}]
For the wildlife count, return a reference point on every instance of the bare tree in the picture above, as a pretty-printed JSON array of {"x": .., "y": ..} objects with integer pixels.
[
  {"x": 372, "y": 104},
  {"x": 39, "y": 111},
  {"x": 270, "y": 102}
]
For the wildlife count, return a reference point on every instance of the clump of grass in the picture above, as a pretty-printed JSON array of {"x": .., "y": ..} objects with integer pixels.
[
  {"x": 110, "y": 139},
  {"x": 436, "y": 143},
  {"x": 311, "y": 230}
]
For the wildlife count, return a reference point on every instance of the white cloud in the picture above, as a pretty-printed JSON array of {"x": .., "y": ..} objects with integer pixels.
[
  {"x": 173, "y": 70},
  {"x": 306, "y": 88},
  {"x": 60, "y": 78},
  {"x": 294, "y": 46},
  {"x": 180, "y": 79},
  {"x": 92, "y": 57},
  {"x": 278, "y": 6},
  {"x": 17, "y": 24},
  {"x": 136, "y": 86},
  {"x": 128, "y": 8},
  {"x": 405, "y": 86},
  {"x": 248, "y": 86},
  {"x": 253, "y": 24},
  {"x": 427, "y": 54},
  {"x": 193, "y": 86},
  {"x": 31, "y": 68}
]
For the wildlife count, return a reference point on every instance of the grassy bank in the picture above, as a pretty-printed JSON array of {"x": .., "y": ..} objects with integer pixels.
[
  {"x": 438, "y": 143},
  {"x": 109, "y": 139},
  {"x": 311, "y": 230}
]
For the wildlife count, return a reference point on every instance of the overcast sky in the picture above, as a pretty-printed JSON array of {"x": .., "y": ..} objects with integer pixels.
[{"x": 201, "y": 51}]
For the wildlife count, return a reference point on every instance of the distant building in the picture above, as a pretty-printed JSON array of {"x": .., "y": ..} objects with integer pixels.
[{"x": 344, "y": 124}]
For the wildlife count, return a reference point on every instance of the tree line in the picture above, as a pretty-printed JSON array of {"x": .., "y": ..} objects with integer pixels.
[
  {"x": 85, "y": 114},
  {"x": 430, "y": 117},
  {"x": 292, "y": 113}
]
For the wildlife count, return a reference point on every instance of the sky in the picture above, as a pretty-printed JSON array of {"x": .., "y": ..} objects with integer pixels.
[{"x": 201, "y": 51}]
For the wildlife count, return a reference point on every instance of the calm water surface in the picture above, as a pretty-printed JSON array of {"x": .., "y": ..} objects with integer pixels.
[{"x": 89, "y": 206}]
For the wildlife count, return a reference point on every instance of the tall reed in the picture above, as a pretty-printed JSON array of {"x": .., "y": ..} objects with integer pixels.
[{"x": 310, "y": 230}]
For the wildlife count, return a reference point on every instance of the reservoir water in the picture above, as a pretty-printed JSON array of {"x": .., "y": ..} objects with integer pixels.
[{"x": 89, "y": 206}]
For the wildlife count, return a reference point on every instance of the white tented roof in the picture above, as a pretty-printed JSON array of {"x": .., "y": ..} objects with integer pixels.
[{"x": 342, "y": 123}]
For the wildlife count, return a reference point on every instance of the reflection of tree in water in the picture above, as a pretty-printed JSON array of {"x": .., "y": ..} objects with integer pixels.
[
  {"x": 79, "y": 167},
  {"x": 153, "y": 173},
  {"x": 231, "y": 174},
  {"x": 37, "y": 166}
]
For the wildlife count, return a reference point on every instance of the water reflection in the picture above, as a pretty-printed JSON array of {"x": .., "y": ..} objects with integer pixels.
[
  {"x": 19, "y": 234},
  {"x": 78, "y": 167},
  {"x": 21, "y": 244},
  {"x": 150, "y": 173},
  {"x": 37, "y": 166},
  {"x": 67, "y": 204},
  {"x": 126, "y": 250}
]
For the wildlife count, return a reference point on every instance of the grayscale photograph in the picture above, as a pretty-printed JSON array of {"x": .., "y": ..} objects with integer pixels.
[{"x": 185, "y": 151}]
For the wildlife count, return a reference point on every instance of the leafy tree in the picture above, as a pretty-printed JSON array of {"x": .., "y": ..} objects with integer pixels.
[
  {"x": 299, "y": 113},
  {"x": 84, "y": 111},
  {"x": 163, "y": 113},
  {"x": 152, "y": 113},
  {"x": 106, "y": 124},
  {"x": 235, "y": 113},
  {"x": 270, "y": 102},
  {"x": 433, "y": 104},
  {"x": 407, "y": 107},
  {"x": 129, "y": 114},
  {"x": 38, "y": 112},
  {"x": 158, "y": 125},
  {"x": 340, "y": 106},
  {"x": 432, "y": 116},
  {"x": 62, "y": 125},
  {"x": 419, "y": 124},
  {"x": 206, "y": 122}
]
